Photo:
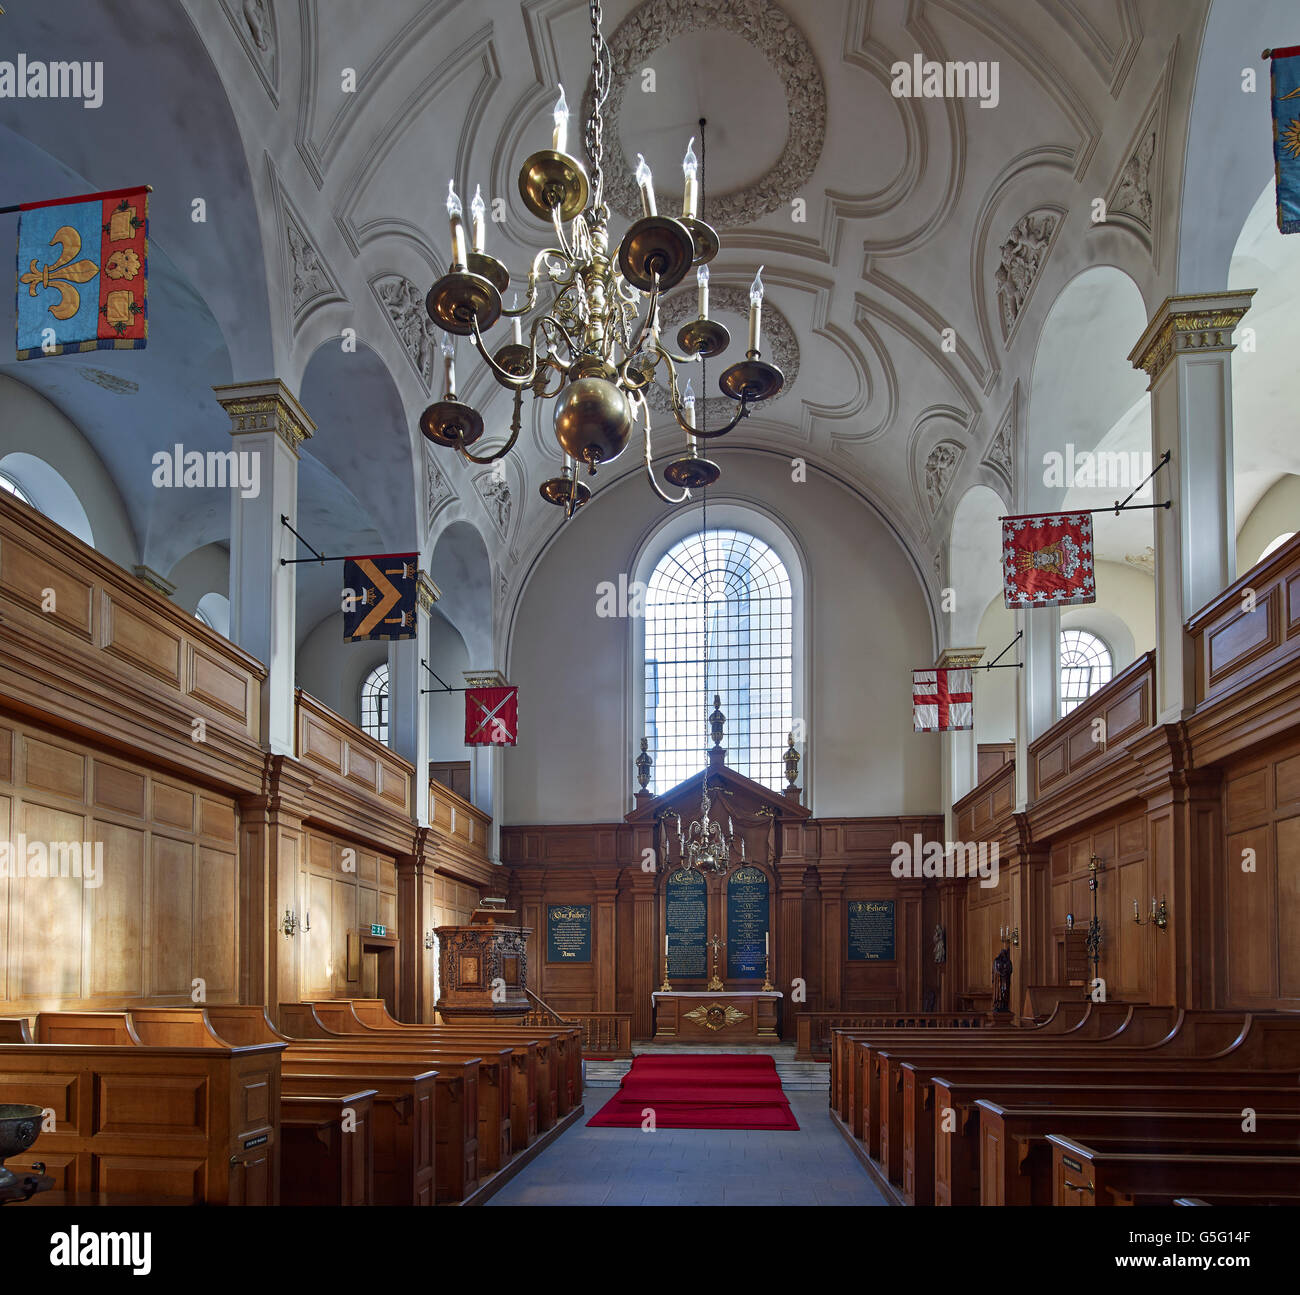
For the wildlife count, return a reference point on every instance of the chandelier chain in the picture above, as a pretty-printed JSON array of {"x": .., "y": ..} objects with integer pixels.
[{"x": 601, "y": 78}]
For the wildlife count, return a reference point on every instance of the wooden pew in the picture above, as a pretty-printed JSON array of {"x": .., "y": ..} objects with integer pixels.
[
  {"x": 1087, "y": 1175},
  {"x": 561, "y": 1046},
  {"x": 405, "y": 1113},
  {"x": 197, "y": 1122},
  {"x": 482, "y": 1108},
  {"x": 905, "y": 1073},
  {"x": 324, "y": 1162},
  {"x": 538, "y": 1057},
  {"x": 320, "y": 1164},
  {"x": 880, "y": 1113},
  {"x": 1016, "y": 1158}
]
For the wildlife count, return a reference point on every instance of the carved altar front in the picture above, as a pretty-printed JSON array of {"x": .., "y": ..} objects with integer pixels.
[
  {"x": 483, "y": 969},
  {"x": 731, "y": 1016}
]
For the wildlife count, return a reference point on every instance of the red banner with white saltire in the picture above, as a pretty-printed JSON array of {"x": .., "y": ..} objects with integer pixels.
[
  {"x": 492, "y": 716},
  {"x": 1047, "y": 560},
  {"x": 942, "y": 700}
]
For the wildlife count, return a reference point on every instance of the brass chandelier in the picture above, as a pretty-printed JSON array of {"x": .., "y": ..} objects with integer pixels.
[{"x": 595, "y": 346}]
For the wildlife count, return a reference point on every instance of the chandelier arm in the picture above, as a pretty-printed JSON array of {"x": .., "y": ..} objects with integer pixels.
[
  {"x": 512, "y": 380},
  {"x": 568, "y": 341},
  {"x": 649, "y": 466},
  {"x": 561, "y": 235},
  {"x": 515, "y": 424},
  {"x": 674, "y": 404}
]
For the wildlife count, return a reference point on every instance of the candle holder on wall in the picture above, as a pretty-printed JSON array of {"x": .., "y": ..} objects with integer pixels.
[{"x": 1159, "y": 916}]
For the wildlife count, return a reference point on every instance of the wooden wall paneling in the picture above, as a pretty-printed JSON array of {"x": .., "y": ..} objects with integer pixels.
[{"x": 646, "y": 950}]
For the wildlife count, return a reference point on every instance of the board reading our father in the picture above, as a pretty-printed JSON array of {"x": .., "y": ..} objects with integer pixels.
[{"x": 568, "y": 933}]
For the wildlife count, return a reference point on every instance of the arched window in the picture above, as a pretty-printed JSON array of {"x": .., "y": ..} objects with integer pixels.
[
  {"x": 1086, "y": 664},
  {"x": 9, "y": 484},
  {"x": 1276, "y": 544},
  {"x": 718, "y": 619},
  {"x": 374, "y": 703}
]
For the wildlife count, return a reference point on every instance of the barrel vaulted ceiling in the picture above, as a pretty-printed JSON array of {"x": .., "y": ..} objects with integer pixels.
[{"x": 913, "y": 246}]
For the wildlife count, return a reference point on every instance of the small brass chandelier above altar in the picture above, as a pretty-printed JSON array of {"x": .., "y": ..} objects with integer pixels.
[{"x": 595, "y": 346}]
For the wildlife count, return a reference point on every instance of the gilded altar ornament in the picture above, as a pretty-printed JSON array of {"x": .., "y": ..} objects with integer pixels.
[
  {"x": 716, "y": 1016},
  {"x": 715, "y": 985}
]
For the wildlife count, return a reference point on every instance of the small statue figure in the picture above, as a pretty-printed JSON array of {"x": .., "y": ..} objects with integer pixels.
[
  {"x": 940, "y": 945},
  {"x": 1002, "y": 981}
]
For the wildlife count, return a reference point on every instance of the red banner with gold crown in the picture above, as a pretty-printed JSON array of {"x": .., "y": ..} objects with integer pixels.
[{"x": 1047, "y": 560}]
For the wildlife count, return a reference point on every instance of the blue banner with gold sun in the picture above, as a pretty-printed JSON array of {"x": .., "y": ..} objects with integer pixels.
[
  {"x": 83, "y": 272},
  {"x": 1286, "y": 136}
]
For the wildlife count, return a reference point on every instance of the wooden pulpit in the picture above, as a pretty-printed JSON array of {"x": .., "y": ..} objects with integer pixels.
[{"x": 483, "y": 968}]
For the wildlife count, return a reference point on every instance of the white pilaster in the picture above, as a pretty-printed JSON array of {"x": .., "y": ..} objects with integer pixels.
[
  {"x": 486, "y": 765},
  {"x": 267, "y": 421},
  {"x": 1037, "y": 688},
  {"x": 408, "y": 708},
  {"x": 1187, "y": 352}
]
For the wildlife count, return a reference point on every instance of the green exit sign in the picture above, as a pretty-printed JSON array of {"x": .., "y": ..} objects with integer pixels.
[{"x": 376, "y": 929}]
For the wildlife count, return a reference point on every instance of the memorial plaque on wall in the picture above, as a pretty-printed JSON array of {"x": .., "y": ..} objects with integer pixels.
[
  {"x": 871, "y": 930},
  {"x": 746, "y": 923},
  {"x": 568, "y": 933},
  {"x": 687, "y": 911}
]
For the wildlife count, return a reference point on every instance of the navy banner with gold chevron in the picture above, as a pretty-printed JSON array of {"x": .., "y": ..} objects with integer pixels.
[{"x": 379, "y": 597}]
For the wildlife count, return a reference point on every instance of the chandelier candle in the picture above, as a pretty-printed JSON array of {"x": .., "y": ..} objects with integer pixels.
[
  {"x": 449, "y": 367},
  {"x": 517, "y": 323},
  {"x": 560, "y": 135},
  {"x": 456, "y": 215},
  {"x": 477, "y": 209},
  {"x": 691, "y": 170},
  {"x": 702, "y": 281},
  {"x": 688, "y": 403},
  {"x": 756, "y": 311},
  {"x": 646, "y": 181}
]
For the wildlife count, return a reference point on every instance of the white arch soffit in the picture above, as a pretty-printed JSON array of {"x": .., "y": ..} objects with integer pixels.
[
  {"x": 1264, "y": 444},
  {"x": 1229, "y": 152},
  {"x": 463, "y": 572},
  {"x": 1082, "y": 385},
  {"x": 974, "y": 563},
  {"x": 49, "y": 493}
]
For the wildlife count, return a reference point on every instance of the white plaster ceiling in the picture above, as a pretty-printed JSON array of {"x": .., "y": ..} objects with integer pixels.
[{"x": 910, "y": 210}]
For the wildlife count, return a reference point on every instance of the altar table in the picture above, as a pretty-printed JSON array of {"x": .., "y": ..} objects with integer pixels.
[{"x": 730, "y": 1016}]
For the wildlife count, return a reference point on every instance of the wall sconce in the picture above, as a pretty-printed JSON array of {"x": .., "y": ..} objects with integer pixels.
[
  {"x": 430, "y": 940},
  {"x": 289, "y": 925},
  {"x": 1159, "y": 914},
  {"x": 1011, "y": 936}
]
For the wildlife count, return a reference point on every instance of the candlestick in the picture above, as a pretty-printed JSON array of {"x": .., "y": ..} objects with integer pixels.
[
  {"x": 560, "y": 135},
  {"x": 765, "y": 936},
  {"x": 477, "y": 209},
  {"x": 756, "y": 311},
  {"x": 702, "y": 281},
  {"x": 691, "y": 170},
  {"x": 646, "y": 181},
  {"x": 456, "y": 215},
  {"x": 517, "y": 323},
  {"x": 688, "y": 403}
]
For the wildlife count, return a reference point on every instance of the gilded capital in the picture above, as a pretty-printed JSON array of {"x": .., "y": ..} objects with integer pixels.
[
  {"x": 267, "y": 406},
  {"x": 1202, "y": 323},
  {"x": 426, "y": 592},
  {"x": 956, "y": 658}
]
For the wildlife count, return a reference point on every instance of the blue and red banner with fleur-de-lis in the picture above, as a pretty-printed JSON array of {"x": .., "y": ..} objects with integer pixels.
[
  {"x": 1285, "y": 87},
  {"x": 83, "y": 267}
]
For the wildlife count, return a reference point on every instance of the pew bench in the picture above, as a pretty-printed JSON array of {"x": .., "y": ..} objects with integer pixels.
[
  {"x": 1117, "y": 1175},
  {"x": 327, "y": 1149},
  {"x": 1016, "y": 1160}
]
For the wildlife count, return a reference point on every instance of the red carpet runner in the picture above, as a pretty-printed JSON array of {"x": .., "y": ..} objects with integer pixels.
[{"x": 706, "y": 1091}]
